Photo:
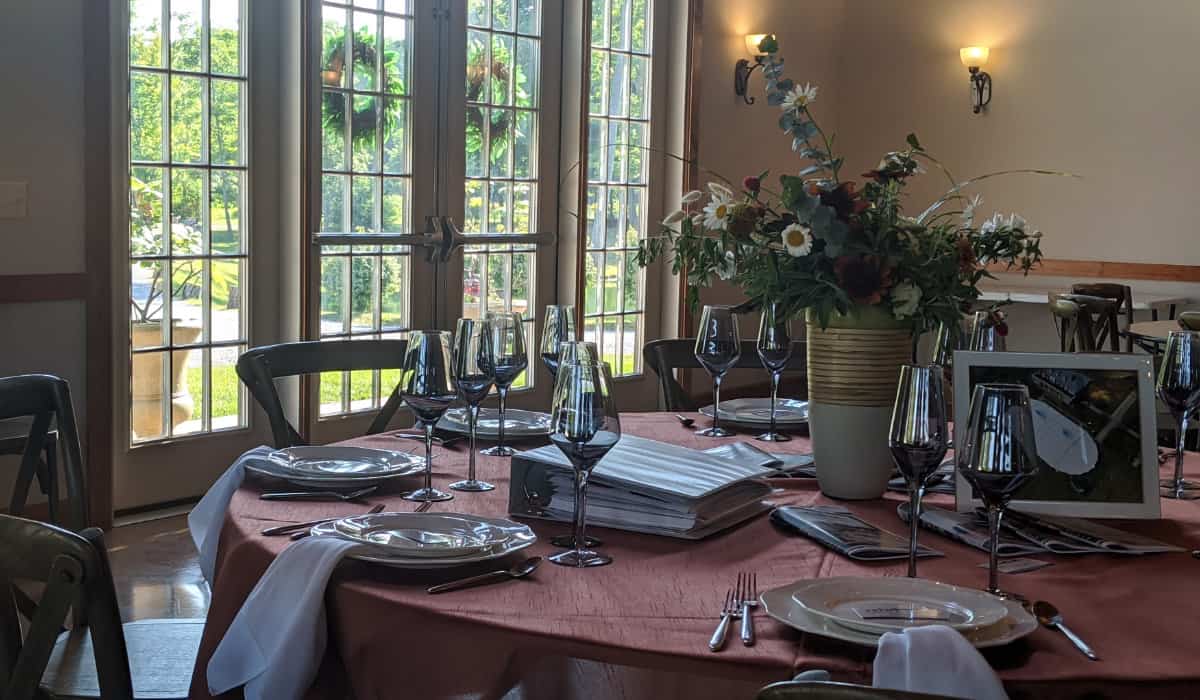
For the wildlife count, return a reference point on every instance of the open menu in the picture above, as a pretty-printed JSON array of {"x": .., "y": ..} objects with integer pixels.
[
  {"x": 845, "y": 533},
  {"x": 1023, "y": 533}
]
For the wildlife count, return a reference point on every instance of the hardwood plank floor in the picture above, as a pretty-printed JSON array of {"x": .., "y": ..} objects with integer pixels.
[{"x": 155, "y": 570}]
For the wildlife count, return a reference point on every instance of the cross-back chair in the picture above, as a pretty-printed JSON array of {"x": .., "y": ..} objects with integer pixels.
[
  {"x": 1189, "y": 320},
  {"x": 1074, "y": 326},
  {"x": 1122, "y": 295},
  {"x": 665, "y": 356},
  {"x": 1102, "y": 324}
]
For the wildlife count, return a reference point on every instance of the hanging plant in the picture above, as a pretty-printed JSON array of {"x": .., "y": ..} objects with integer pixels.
[
  {"x": 478, "y": 73},
  {"x": 364, "y": 58}
]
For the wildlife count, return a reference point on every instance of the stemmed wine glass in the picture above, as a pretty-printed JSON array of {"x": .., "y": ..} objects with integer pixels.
[
  {"x": 472, "y": 376},
  {"x": 509, "y": 360},
  {"x": 919, "y": 438},
  {"x": 426, "y": 385},
  {"x": 774, "y": 349},
  {"x": 576, "y": 352},
  {"x": 585, "y": 426},
  {"x": 1179, "y": 389},
  {"x": 985, "y": 333},
  {"x": 559, "y": 329},
  {"x": 998, "y": 454},
  {"x": 718, "y": 348}
]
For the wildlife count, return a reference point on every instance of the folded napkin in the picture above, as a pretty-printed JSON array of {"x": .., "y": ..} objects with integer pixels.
[
  {"x": 275, "y": 644},
  {"x": 208, "y": 516},
  {"x": 935, "y": 659}
]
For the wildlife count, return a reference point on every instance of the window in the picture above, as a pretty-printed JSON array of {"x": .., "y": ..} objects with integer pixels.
[
  {"x": 366, "y": 181},
  {"x": 188, "y": 166},
  {"x": 617, "y": 195}
]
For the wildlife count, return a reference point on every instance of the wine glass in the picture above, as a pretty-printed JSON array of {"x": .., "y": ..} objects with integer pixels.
[
  {"x": 919, "y": 438},
  {"x": 985, "y": 333},
  {"x": 575, "y": 352},
  {"x": 774, "y": 349},
  {"x": 559, "y": 328},
  {"x": 1179, "y": 389},
  {"x": 718, "y": 348},
  {"x": 998, "y": 454},
  {"x": 509, "y": 360},
  {"x": 585, "y": 426},
  {"x": 473, "y": 379},
  {"x": 426, "y": 385}
]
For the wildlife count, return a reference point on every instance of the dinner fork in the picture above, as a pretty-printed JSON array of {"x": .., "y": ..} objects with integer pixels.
[
  {"x": 749, "y": 587},
  {"x": 730, "y": 610}
]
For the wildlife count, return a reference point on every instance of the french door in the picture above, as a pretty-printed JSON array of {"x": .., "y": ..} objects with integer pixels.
[{"x": 433, "y": 123}]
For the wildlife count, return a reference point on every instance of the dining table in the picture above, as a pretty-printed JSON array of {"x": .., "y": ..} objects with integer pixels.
[{"x": 639, "y": 628}]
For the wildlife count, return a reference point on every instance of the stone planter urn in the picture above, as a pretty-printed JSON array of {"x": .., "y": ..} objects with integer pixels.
[{"x": 146, "y": 416}]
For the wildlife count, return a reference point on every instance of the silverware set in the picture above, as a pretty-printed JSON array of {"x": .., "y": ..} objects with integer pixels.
[
  {"x": 318, "y": 495},
  {"x": 738, "y": 604},
  {"x": 293, "y": 527},
  {"x": 519, "y": 570}
]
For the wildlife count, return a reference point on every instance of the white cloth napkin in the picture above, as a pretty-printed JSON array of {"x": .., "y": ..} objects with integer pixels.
[
  {"x": 275, "y": 644},
  {"x": 938, "y": 660},
  {"x": 208, "y": 516}
]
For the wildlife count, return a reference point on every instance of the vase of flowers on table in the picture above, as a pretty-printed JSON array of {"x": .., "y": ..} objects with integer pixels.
[{"x": 866, "y": 277}]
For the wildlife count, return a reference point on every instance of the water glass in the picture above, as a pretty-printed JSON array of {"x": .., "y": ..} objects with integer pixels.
[
  {"x": 985, "y": 333},
  {"x": 774, "y": 349},
  {"x": 509, "y": 359},
  {"x": 718, "y": 348},
  {"x": 472, "y": 358},
  {"x": 559, "y": 328},
  {"x": 919, "y": 438},
  {"x": 998, "y": 454},
  {"x": 427, "y": 387},
  {"x": 1179, "y": 389}
]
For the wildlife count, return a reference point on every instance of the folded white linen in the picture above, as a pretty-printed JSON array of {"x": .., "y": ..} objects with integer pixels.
[
  {"x": 208, "y": 516},
  {"x": 275, "y": 644},
  {"x": 938, "y": 660}
]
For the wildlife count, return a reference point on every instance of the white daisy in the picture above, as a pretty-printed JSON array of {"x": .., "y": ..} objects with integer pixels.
[
  {"x": 675, "y": 217},
  {"x": 716, "y": 213},
  {"x": 799, "y": 97},
  {"x": 692, "y": 197},
  {"x": 798, "y": 240}
]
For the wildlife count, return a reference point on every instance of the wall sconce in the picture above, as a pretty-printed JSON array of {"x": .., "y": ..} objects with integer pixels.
[
  {"x": 974, "y": 57},
  {"x": 743, "y": 69}
]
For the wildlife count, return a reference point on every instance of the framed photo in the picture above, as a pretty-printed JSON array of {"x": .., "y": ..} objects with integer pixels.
[{"x": 1094, "y": 420}]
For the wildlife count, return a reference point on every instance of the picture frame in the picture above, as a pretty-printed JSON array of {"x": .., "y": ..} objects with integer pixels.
[{"x": 1095, "y": 418}]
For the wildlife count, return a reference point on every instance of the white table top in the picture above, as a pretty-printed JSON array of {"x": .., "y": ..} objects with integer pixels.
[{"x": 1032, "y": 294}]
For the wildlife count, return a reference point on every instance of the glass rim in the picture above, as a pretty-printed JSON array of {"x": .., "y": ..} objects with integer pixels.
[
  {"x": 1000, "y": 386},
  {"x": 431, "y": 333},
  {"x": 1183, "y": 332}
]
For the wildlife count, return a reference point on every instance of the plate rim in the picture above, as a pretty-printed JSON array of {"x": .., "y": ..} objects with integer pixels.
[
  {"x": 376, "y": 554},
  {"x": 864, "y": 625},
  {"x": 707, "y": 411},
  {"x": 461, "y": 428}
]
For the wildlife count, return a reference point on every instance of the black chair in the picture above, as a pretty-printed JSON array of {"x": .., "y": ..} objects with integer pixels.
[
  {"x": 815, "y": 685},
  {"x": 44, "y": 398},
  {"x": 87, "y": 662},
  {"x": 1190, "y": 320},
  {"x": 1074, "y": 326},
  {"x": 1102, "y": 324},
  {"x": 664, "y": 356},
  {"x": 258, "y": 369},
  {"x": 1119, "y": 294}
]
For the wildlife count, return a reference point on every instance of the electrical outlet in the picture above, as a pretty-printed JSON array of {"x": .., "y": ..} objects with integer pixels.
[{"x": 14, "y": 200}]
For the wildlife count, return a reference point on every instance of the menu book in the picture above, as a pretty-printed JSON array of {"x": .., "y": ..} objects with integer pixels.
[
  {"x": 643, "y": 485},
  {"x": 846, "y": 533}
]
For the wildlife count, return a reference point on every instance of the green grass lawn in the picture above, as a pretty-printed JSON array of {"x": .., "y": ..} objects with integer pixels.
[{"x": 225, "y": 387}]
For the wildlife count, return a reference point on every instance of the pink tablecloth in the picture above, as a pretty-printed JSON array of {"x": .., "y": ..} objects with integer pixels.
[{"x": 653, "y": 608}]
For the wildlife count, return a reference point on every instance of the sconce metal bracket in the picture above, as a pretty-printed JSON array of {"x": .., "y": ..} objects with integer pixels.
[
  {"x": 742, "y": 71},
  {"x": 981, "y": 88}
]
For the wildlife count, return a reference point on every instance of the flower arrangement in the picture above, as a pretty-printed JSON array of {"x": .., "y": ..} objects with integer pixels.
[{"x": 829, "y": 245}]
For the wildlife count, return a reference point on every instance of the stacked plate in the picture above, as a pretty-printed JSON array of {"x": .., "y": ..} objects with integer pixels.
[
  {"x": 518, "y": 424},
  {"x": 428, "y": 540},
  {"x": 755, "y": 414},
  {"x": 857, "y": 609},
  {"x": 335, "y": 466}
]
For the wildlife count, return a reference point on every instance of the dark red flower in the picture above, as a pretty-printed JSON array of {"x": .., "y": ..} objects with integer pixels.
[
  {"x": 966, "y": 255},
  {"x": 844, "y": 199},
  {"x": 865, "y": 278},
  {"x": 751, "y": 184}
]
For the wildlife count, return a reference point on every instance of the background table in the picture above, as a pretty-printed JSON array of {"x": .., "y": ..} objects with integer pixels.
[{"x": 654, "y": 607}]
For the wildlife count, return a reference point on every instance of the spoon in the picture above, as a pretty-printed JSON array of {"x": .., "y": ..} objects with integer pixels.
[
  {"x": 1049, "y": 616},
  {"x": 684, "y": 420},
  {"x": 520, "y": 570}
]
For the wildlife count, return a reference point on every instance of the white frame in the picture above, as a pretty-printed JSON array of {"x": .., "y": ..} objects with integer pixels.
[{"x": 1141, "y": 365}]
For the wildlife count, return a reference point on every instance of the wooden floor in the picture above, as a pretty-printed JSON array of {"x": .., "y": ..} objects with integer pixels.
[{"x": 155, "y": 570}]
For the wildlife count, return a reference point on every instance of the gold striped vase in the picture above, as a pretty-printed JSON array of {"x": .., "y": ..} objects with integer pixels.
[{"x": 853, "y": 369}]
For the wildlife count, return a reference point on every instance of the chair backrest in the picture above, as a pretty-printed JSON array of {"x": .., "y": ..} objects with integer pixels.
[
  {"x": 664, "y": 356},
  {"x": 45, "y": 398},
  {"x": 1102, "y": 314},
  {"x": 258, "y": 369},
  {"x": 1074, "y": 326},
  {"x": 829, "y": 690},
  {"x": 1122, "y": 294},
  {"x": 1190, "y": 320},
  {"x": 75, "y": 570}
]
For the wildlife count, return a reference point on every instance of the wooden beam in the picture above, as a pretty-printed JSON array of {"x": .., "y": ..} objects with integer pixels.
[
  {"x": 1157, "y": 272},
  {"x": 19, "y": 289}
]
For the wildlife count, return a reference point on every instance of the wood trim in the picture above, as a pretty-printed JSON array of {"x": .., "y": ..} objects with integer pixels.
[
  {"x": 1157, "y": 272},
  {"x": 97, "y": 108},
  {"x": 309, "y": 327},
  {"x": 691, "y": 143},
  {"x": 581, "y": 232},
  {"x": 19, "y": 289}
]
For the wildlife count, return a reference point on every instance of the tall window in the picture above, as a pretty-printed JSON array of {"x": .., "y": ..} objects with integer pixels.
[
  {"x": 502, "y": 103},
  {"x": 365, "y": 184},
  {"x": 618, "y": 131},
  {"x": 187, "y": 215}
]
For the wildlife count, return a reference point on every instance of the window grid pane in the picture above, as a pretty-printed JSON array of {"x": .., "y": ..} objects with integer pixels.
[
  {"x": 187, "y": 237},
  {"x": 503, "y": 101},
  {"x": 366, "y": 181},
  {"x": 618, "y": 130}
]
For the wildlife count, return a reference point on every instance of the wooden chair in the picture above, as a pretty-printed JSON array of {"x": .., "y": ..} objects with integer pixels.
[
  {"x": 815, "y": 685},
  {"x": 1189, "y": 320},
  {"x": 1101, "y": 314},
  {"x": 1122, "y": 296},
  {"x": 1074, "y": 326},
  {"x": 44, "y": 399},
  {"x": 258, "y": 369},
  {"x": 664, "y": 356},
  {"x": 87, "y": 662}
]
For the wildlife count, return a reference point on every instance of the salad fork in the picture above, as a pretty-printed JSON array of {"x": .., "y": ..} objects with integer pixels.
[
  {"x": 749, "y": 601},
  {"x": 730, "y": 610}
]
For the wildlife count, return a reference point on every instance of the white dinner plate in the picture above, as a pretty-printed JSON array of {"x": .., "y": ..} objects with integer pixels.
[
  {"x": 336, "y": 466},
  {"x": 436, "y": 535},
  {"x": 517, "y": 423},
  {"x": 756, "y": 413},
  {"x": 876, "y": 604},
  {"x": 780, "y": 605},
  {"x": 508, "y": 537}
]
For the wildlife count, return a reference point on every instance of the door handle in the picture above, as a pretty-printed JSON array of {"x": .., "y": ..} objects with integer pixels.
[{"x": 441, "y": 238}]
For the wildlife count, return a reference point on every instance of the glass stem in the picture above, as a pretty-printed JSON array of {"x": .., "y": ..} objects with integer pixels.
[
  {"x": 995, "y": 513},
  {"x": 1180, "y": 443},
  {"x": 915, "y": 493},
  {"x": 428, "y": 456},
  {"x": 581, "y": 479},
  {"x": 473, "y": 414},
  {"x": 774, "y": 397},
  {"x": 717, "y": 401},
  {"x": 503, "y": 392}
]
